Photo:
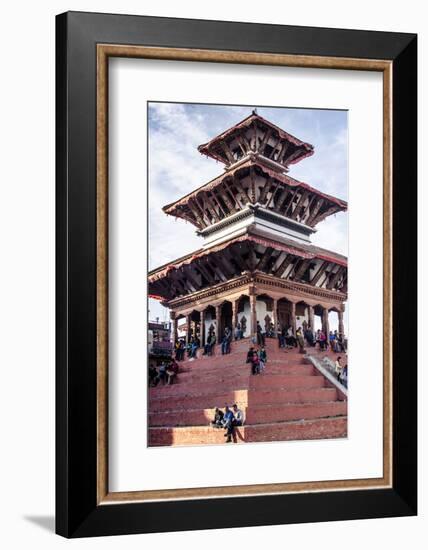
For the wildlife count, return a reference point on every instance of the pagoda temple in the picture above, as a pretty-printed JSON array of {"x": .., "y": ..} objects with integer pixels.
[{"x": 256, "y": 261}]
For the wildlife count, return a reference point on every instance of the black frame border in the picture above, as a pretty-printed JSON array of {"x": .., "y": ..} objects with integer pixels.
[{"x": 77, "y": 512}]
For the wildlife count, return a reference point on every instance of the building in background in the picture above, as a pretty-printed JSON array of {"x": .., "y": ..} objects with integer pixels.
[{"x": 159, "y": 342}]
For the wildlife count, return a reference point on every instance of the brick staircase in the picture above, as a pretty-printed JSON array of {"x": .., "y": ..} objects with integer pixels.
[{"x": 291, "y": 400}]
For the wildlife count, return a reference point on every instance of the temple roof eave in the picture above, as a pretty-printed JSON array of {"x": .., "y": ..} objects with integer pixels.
[
  {"x": 303, "y": 251},
  {"x": 174, "y": 207},
  {"x": 216, "y": 295},
  {"x": 205, "y": 148}
]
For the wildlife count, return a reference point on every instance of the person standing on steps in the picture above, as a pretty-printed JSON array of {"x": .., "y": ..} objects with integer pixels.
[
  {"x": 338, "y": 368},
  {"x": 228, "y": 421},
  {"x": 321, "y": 340},
  {"x": 225, "y": 344},
  {"x": 281, "y": 337},
  {"x": 213, "y": 343},
  {"x": 344, "y": 376},
  {"x": 300, "y": 340},
  {"x": 179, "y": 350},
  {"x": 332, "y": 340},
  {"x": 255, "y": 363},
  {"x": 309, "y": 336},
  {"x": 262, "y": 359},
  {"x": 238, "y": 332},
  {"x": 260, "y": 335},
  {"x": 208, "y": 349}
]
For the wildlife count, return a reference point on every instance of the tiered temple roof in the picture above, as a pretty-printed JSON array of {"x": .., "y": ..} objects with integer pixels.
[
  {"x": 256, "y": 134},
  {"x": 288, "y": 260},
  {"x": 252, "y": 182},
  {"x": 255, "y": 219}
]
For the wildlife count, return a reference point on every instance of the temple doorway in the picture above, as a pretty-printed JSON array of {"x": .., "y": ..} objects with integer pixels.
[{"x": 284, "y": 313}]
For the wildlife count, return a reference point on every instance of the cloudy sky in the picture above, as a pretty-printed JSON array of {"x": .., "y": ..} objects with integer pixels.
[{"x": 176, "y": 168}]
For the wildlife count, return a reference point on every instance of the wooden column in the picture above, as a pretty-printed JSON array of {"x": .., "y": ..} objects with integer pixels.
[
  {"x": 173, "y": 335},
  {"x": 341, "y": 325},
  {"x": 293, "y": 317},
  {"x": 234, "y": 314},
  {"x": 311, "y": 317},
  {"x": 189, "y": 328},
  {"x": 202, "y": 330},
  {"x": 218, "y": 323},
  {"x": 195, "y": 329},
  {"x": 253, "y": 314},
  {"x": 275, "y": 313},
  {"x": 325, "y": 323}
]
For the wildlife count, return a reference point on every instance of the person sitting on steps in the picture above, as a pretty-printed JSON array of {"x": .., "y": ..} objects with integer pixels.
[
  {"x": 153, "y": 376},
  {"x": 290, "y": 339},
  {"x": 172, "y": 371},
  {"x": 239, "y": 416},
  {"x": 162, "y": 376},
  {"x": 218, "y": 418}
]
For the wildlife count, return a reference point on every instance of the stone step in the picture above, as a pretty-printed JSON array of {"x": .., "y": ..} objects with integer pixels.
[
  {"x": 164, "y": 402},
  {"x": 207, "y": 364},
  {"x": 240, "y": 346},
  {"x": 239, "y": 359},
  {"x": 286, "y": 381},
  {"x": 259, "y": 414},
  {"x": 294, "y": 411},
  {"x": 320, "y": 428},
  {"x": 239, "y": 382},
  {"x": 214, "y": 374}
]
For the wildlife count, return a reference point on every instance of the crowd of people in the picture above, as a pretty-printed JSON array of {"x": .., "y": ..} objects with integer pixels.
[
  {"x": 189, "y": 349},
  {"x": 181, "y": 348},
  {"x": 306, "y": 336},
  {"x": 257, "y": 358},
  {"x": 165, "y": 374},
  {"x": 228, "y": 420}
]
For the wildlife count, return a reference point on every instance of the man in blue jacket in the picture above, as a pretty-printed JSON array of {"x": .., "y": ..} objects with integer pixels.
[{"x": 228, "y": 423}]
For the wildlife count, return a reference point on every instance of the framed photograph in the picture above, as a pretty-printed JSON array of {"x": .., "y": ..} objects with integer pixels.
[{"x": 236, "y": 274}]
